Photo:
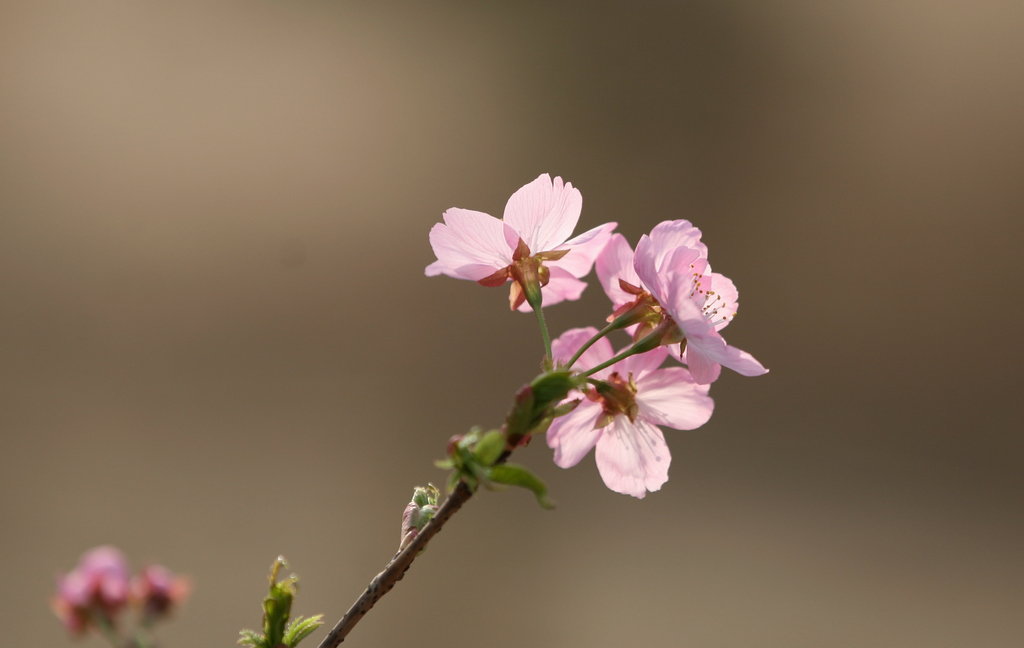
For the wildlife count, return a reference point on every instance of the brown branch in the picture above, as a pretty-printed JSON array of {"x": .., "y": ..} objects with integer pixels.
[{"x": 395, "y": 570}]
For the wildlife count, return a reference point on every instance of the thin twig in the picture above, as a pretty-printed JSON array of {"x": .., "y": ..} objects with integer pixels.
[{"x": 395, "y": 570}]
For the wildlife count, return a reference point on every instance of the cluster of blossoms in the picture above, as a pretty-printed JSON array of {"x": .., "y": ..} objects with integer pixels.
[
  {"x": 663, "y": 294},
  {"x": 95, "y": 593}
]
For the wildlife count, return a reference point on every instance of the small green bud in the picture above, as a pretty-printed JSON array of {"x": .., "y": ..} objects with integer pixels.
[
  {"x": 515, "y": 475},
  {"x": 417, "y": 513},
  {"x": 521, "y": 418},
  {"x": 552, "y": 387},
  {"x": 565, "y": 408},
  {"x": 423, "y": 496}
]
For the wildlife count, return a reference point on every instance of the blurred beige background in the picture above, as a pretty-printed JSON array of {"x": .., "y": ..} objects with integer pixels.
[{"x": 217, "y": 343}]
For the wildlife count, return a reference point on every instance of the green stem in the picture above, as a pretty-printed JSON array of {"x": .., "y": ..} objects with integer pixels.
[
  {"x": 144, "y": 633},
  {"x": 539, "y": 312},
  {"x": 652, "y": 341},
  {"x": 107, "y": 630},
  {"x": 589, "y": 343}
]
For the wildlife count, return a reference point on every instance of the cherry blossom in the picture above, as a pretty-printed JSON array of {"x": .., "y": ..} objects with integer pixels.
[
  {"x": 530, "y": 245},
  {"x": 620, "y": 415},
  {"x": 669, "y": 281}
]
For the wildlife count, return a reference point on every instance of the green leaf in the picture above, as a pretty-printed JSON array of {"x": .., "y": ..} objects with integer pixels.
[
  {"x": 565, "y": 408},
  {"x": 301, "y": 628},
  {"x": 252, "y": 638},
  {"x": 489, "y": 448},
  {"x": 515, "y": 475}
]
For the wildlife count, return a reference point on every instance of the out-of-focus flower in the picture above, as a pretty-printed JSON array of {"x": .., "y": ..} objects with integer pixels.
[
  {"x": 530, "y": 246},
  {"x": 97, "y": 588},
  {"x": 620, "y": 414},
  {"x": 159, "y": 591},
  {"x": 669, "y": 283}
]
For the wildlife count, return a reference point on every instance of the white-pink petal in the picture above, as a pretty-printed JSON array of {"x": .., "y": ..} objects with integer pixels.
[
  {"x": 469, "y": 245},
  {"x": 544, "y": 212},
  {"x": 632, "y": 457},
  {"x": 573, "y": 435},
  {"x": 670, "y": 397}
]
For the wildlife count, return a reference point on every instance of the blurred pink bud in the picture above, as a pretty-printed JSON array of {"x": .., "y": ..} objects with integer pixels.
[{"x": 158, "y": 590}]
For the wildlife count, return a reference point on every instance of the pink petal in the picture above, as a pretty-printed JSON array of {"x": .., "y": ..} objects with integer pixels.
[
  {"x": 678, "y": 301},
  {"x": 567, "y": 344},
  {"x": 583, "y": 250},
  {"x": 703, "y": 369},
  {"x": 721, "y": 306},
  {"x": 713, "y": 349},
  {"x": 632, "y": 457},
  {"x": 706, "y": 350},
  {"x": 544, "y": 212},
  {"x": 669, "y": 235},
  {"x": 469, "y": 245},
  {"x": 613, "y": 263},
  {"x": 573, "y": 435},
  {"x": 672, "y": 281},
  {"x": 670, "y": 397},
  {"x": 690, "y": 319},
  {"x": 562, "y": 286}
]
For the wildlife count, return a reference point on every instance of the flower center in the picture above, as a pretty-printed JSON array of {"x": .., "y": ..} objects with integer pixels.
[
  {"x": 527, "y": 272},
  {"x": 617, "y": 396},
  {"x": 711, "y": 303}
]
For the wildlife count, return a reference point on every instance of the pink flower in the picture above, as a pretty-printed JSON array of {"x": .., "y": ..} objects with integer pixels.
[
  {"x": 530, "y": 245},
  {"x": 669, "y": 280},
  {"x": 98, "y": 585},
  {"x": 621, "y": 415},
  {"x": 158, "y": 590}
]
